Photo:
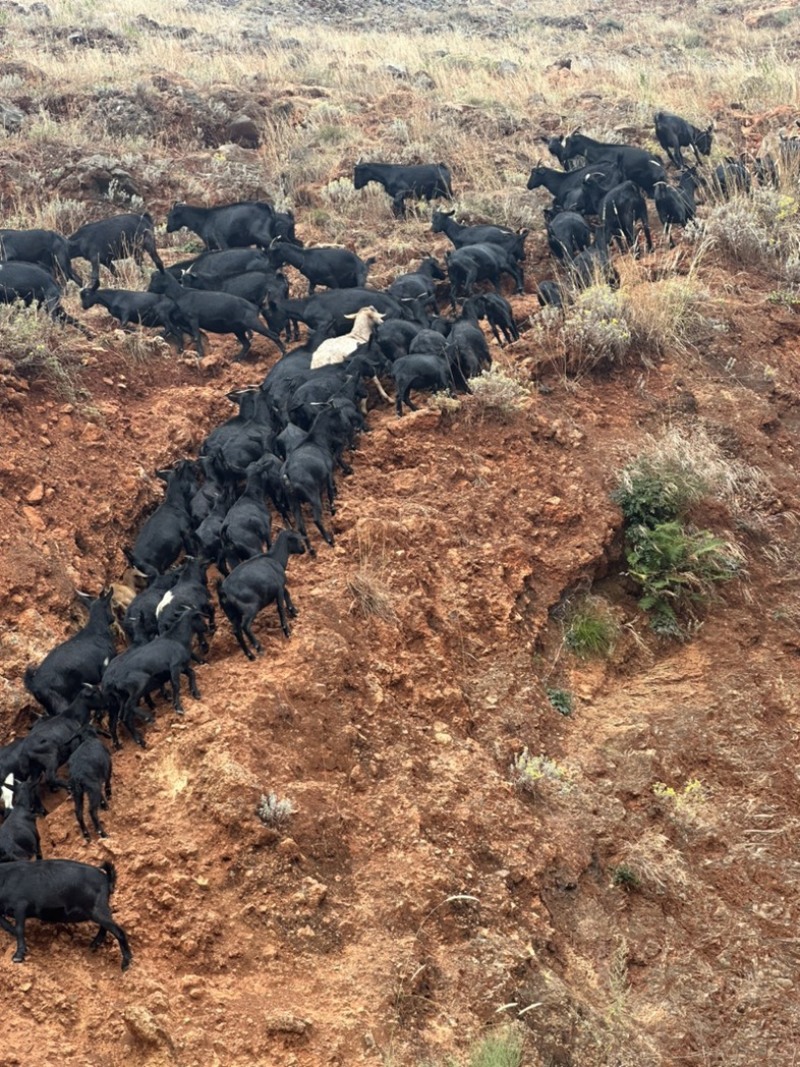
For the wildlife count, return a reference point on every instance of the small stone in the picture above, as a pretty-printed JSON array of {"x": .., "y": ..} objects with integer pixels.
[
  {"x": 36, "y": 495},
  {"x": 397, "y": 70}
]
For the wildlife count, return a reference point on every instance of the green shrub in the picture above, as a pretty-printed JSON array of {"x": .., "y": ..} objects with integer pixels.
[
  {"x": 654, "y": 490},
  {"x": 595, "y": 329},
  {"x": 500, "y": 1048},
  {"x": 590, "y": 629},
  {"x": 497, "y": 395},
  {"x": 625, "y": 877},
  {"x": 561, "y": 699},
  {"x": 677, "y": 568}
]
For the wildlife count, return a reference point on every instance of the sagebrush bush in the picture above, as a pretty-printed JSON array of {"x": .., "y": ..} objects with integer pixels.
[
  {"x": 497, "y": 395},
  {"x": 595, "y": 329},
  {"x": 761, "y": 229},
  {"x": 664, "y": 315},
  {"x": 274, "y": 811},
  {"x": 39, "y": 347},
  {"x": 528, "y": 771}
]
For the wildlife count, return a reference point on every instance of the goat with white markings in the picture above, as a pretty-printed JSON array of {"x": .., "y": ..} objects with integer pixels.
[{"x": 337, "y": 349}]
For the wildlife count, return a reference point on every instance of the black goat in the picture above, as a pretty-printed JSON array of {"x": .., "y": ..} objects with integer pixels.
[
  {"x": 731, "y": 177},
  {"x": 461, "y": 236},
  {"x": 33, "y": 285},
  {"x": 214, "y": 312},
  {"x": 90, "y": 775},
  {"x": 256, "y": 583},
  {"x": 550, "y": 294},
  {"x": 467, "y": 348},
  {"x": 115, "y": 238},
  {"x": 329, "y": 310},
  {"x": 497, "y": 312},
  {"x": 619, "y": 210},
  {"x": 45, "y": 248},
  {"x": 421, "y": 371},
  {"x": 52, "y": 739},
  {"x": 19, "y": 836},
  {"x": 141, "y": 670},
  {"x": 427, "y": 181},
  {"x": 419, "y": 283},
  {"x": 228, "y": 225},
  {"x": 255, "y": 286},
  {"x": 335, "y": 268},
  {"x": 59, "y": 891},
  {"x": 190, "y": 591},
  {"x": 247, "y": 528},
  {"x": 139, "y": 622},
  {"x": 637, "y": 164},
  {"x": 130, "y": 305},
  {"x": 674, "y": 133},
  {"x": 563, "y": 185},
  {"x": 568, "y": 233},
  {"x": 81, "y": 659},
  {"x": 169, "y": 528},
  {"x": 676, "y": 207},
  {"x": 309, "y": 469},
  {"x": 482, "y": 262}
]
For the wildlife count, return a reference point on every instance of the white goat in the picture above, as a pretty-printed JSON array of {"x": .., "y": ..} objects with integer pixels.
[{"x": 337, "y": 349}]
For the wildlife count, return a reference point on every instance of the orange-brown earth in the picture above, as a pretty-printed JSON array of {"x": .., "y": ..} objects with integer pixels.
[{"x": 416, "y": 897}]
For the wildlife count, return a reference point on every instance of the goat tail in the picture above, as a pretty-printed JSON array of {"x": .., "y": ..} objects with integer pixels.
[
  {"x": 221, "y": 595},
  {"x": 111, "y": 874}
]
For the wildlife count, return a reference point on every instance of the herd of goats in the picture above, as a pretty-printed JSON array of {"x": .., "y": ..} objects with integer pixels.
[{"x": 278, "y": 454}]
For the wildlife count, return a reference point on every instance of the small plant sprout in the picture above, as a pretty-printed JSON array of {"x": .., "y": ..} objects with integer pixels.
[
  {"x": 274, "y": 811},
  {"x": 690, "y": 797},
  {"x": 624, "y": 877},
  {"x": 528, "y": 772},
  {"x": 590, "y": 629},
  {"x": 561, "y": 699}
]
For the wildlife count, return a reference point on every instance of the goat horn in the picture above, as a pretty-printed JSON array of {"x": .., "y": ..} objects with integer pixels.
[{"x": 574, "y": 131}]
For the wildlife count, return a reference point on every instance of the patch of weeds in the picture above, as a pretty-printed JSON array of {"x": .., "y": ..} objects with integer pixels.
[
  {"x": 595, "y": 330},
  {"x": 528, "y": 772},
  {"x": 677, "y": 568},
  {"x": 39, "y": 347},
  {"x": 340, "y": 193},
  {"x": 275, "y": 811},
  {"x": 447, "y": 406},
  {"x": 371, "y": 595},
  {"x": 657, "y": 488},
  {"x": 501, "y": 1048},
  {"x": 687, "y": 798},
  {"x": 590, "y": 629},
  {"x": 561, "y": 699},
  {"x": 789, "y": 298},
  {"x": 625, "y": 877},
  {"x": 497, "y": 395},
  {"x": 762, "y": 229}
]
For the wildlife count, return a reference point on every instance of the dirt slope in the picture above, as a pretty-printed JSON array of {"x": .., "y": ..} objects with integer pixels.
[{"x": 415, "y": 892}]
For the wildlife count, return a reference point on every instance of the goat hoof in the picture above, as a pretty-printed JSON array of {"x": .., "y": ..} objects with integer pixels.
[
  {"x": 16, "y": 958},
  {"x": 87, "y": 837},
  {"x": 179, "y": 711},
  {"x": 102, "y": 833}
]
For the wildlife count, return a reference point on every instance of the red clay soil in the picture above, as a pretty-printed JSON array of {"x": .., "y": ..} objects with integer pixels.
[{"x": 417, "y": 897}]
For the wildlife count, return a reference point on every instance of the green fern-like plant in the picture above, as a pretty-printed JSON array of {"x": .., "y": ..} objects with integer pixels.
[{"x": 677, "y": 569}]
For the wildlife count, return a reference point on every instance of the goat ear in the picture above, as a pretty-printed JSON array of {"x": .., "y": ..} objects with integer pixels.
[{"x": 164, "y": 475}]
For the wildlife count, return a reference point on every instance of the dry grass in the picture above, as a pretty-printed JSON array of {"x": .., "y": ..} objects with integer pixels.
[{"x": 369, "y": 585}]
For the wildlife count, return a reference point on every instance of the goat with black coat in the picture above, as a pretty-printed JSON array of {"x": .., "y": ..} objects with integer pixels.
[
  {"x": 255, "y": 286},
  {"x": 731, "y": 177},
  {"x": 308, "y": 470},
  {"x": 81, "y": 659},
  {"x": 637, "y": 164},
  {"x": 620, "y": 209},
  {"x": 33, "y": 285},
  {"x": 239, "y": 225},
  {"x": 481, "y": 262},
  {"x": 561, "y": 184},
  {"x": 427, "y": 180},
  {"x": 190, "y": 591},
  {"x": 247, "y": 528},
  {"x": 19, "y": 835},
  {"x": 45, "y": 248},
  {"x": 215, "y": 313},
  {"x": 59, "y": 891},
  {"x": 337, "y": 380},
  {"x": 116, "y": 238},
  {"x": 216, "y": 267},
  {"x": 52, "y": 739},
  {"x": 207, "y": 534},
  {"x": 497, "y": 312},
  {"x": 139, "y": 621},
  {"x": 420, "y": 370},
  {"x": 461, "y": 236},
  {"x": 467, "y": 348},
  {"x": 256, "y": 583},
  {"x": 592, "y": 267},
  {"x": 419, "y": 283},
  {"x": 676, "y": 207},
  {"x": 331, "y": 308},
  {"x": 90, "y": 776},
  {"x": 169, "y": 528},
  {"x": 140, "y": 671},
  {"x": 335, "y": 268},
  {"x": 568, "y": 233},
  {"x": 674, "y": 133},
  {"x": 130, "y": 305}
]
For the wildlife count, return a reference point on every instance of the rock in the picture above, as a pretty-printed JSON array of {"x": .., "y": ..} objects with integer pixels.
[
  {"x": 144, "y": 1027},
  {"x": 396, "y": 70},
  {"x": 286, "y": 1023},
  {"x": 771, "y": 18},
  {"x": 507, "y": 68},
  {"x": 423, "y": 80},
  {"x": 36, "y": 495},
  {"x": 244, "y": 132},
  {"x": 562, "y": 22},
  {"x": 11, "y": 118}
]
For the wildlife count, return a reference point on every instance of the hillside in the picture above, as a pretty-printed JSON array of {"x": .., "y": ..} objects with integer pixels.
[{"x": 418, "y": 898}]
